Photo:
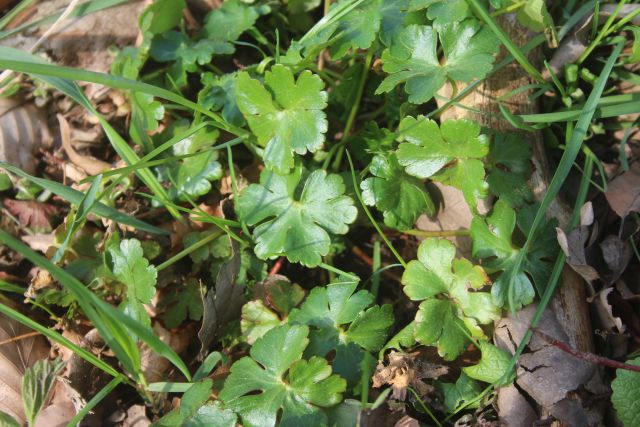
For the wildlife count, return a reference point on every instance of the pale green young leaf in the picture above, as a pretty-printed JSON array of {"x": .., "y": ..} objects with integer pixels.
[
  {"x": 285, "y": 114},
  {"x": 451, "y": 153},
  {"x": 626, "y": 395},
  {"x": 256, "y": 320},
  {"x": 412, "y": 58},
  {"x": 401, "y": 197},
  {"x": 452, "y": 298},
  {"x": 162, "y": 15},
  {"x": 493, "y": 365},
  {"x": 37, "y": 383},
  {"x": 298, "y": 229},
  {"x": 132, "y": 269},
  {"x": 289, "y": 387}
]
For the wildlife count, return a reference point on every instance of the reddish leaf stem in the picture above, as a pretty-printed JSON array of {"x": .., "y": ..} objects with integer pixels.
[{"x": 589, "y": 357}]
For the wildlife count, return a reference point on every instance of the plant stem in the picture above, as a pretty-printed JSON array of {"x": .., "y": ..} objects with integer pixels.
[
  {"x": 442, "y": 233},
  {"x": 354, "y": 108},
  {"x": 186, "y": 251}
]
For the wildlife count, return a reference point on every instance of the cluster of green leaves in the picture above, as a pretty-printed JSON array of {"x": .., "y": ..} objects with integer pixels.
[{"x": 294, "y": 120}]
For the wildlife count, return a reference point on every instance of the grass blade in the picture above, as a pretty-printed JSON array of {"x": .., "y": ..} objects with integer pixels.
[
  {"x": 75, "y": 197},
  {"x": 56, "y": 337},
  {"x": 20, "y": 61},
  {"x": 109, "y": 321},
  {"x": 566, "y": 162}
]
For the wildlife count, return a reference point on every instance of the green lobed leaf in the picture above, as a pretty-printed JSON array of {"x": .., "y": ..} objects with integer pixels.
[
  {"x": 288, "y": 386},
  {"x": 358, "y": 29},
  {"x": 219, "y": 94},
  {"x": 464, "y": 390},
  {"x": 285, "y": 114},
  {"x": 493, "y": 365},
  {"x": 132, "y": 269},
  {"x": 401, "y": 197},
  {"x": 412, "y": 58},
  {"x": 192, "y": 176},
  {"x": 626, "y": 395},
  {"x": 443, "y": 12},
  {"x": 451, "y": 153},
  {"x": 186, "y": 303},
  {"x": 492, "y": 242},
  {"x": 298, "y": 229},
  {"x": 344, "y": 321},
  {"x": 195, "y": 411},
  {"x": 225, "y": 24},
  {"x": 461, "y": 306},
  {"x": 219, "y": 248}
]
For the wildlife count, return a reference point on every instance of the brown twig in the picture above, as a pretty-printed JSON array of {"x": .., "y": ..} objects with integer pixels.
[
  {"x": 276, "y": 267},
  {"x": 589, "y": 357},
  {"x": 19, "y": 337}
]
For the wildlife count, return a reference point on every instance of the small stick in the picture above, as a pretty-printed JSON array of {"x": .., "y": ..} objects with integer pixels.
[
  {"x": 369, "y": 261},
  {"x": 19, "y": 337},
  {"x": 589, "y": 357}
]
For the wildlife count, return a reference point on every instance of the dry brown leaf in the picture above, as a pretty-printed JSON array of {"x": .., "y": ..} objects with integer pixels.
[
  {"x": 89, "y": 164},
  {"x": 616, "y": 253},
  {"x": 405, "y": 371},
  {"x": 15, "y": 357},
  {"x": 573, "y": 245},
  {"x": 31, "y": 213},
  {"x": 623, "y": 193},
  {"x": 223, "y": 302},
  {"x": 23, "y": 130},
  {"x": 39, "y": 241}
]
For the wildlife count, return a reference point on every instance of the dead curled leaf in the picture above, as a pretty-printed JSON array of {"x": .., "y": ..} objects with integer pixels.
[
  {"x": 573, "y": 245},
  {"x": 23, "y": 130},
  {"x": 623, "y": 193},
  {"x": 223, "y": 303},
  {"x": 32, "y": 214},
  {"x": 405, "y": 371},
  {"x": 89, "y": 164}
]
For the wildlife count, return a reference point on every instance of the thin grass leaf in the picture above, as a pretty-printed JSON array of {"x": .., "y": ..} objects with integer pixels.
[
  {"x": 110, "y": 322},
  {"x": 94, "y": 402},
  {"x": 81, "y": 10},
  {"x": 84, "y": 208},
  {"x": 20, "y": 61},
  {"x": 65, "y": 84},
  {"x": 75, "y": 198},
  {"x": 56, "y": 337},
  {"x": 572, "y": 149}
]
